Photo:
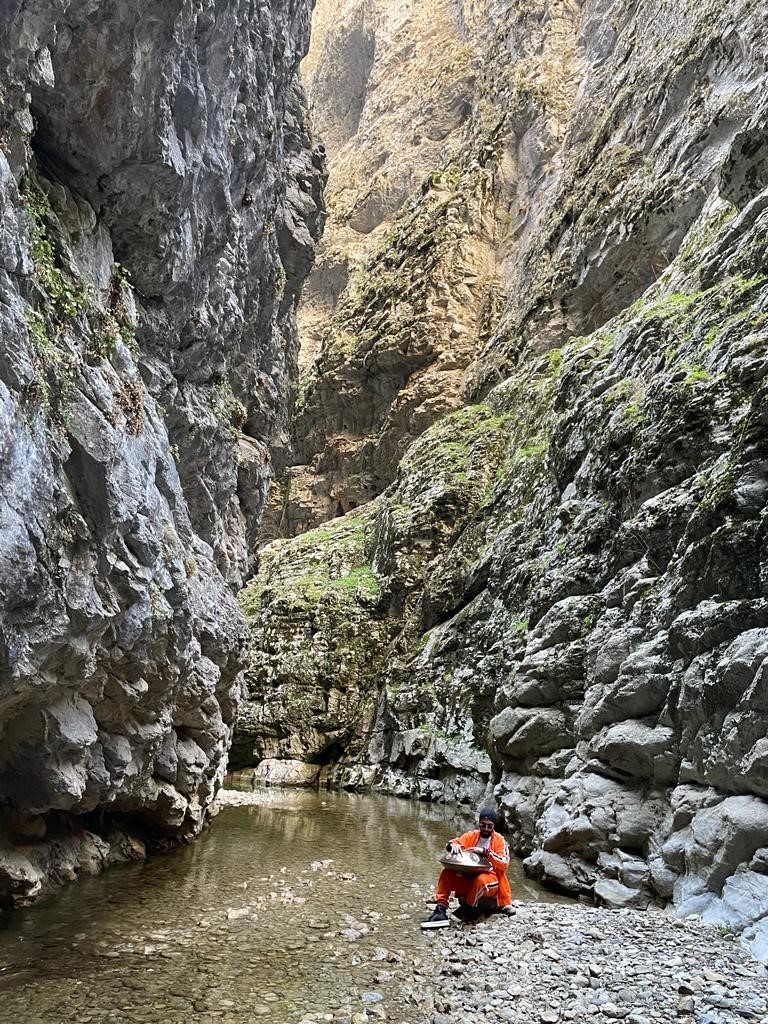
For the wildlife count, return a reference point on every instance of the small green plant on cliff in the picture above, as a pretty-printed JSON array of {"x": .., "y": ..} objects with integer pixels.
[
  {"x": 280, "y": 281},
  {"x": 696, "y": 374},
  {"x": 704, "y": 233},
  {"x": 115, "y": 323},
  {"x": 720, "y": 481},
  {"x": 119, "y": 287},
  {"x": 634, "y": 412},
  {"x": 105, "y": 334},
  {"x": 249, "y": 598},
  {"x": 67, "y": 298},
  {"x": 67, "y": 312},
  {"x": 360, "y": 579},
  {"x": 628, "y": 395},
  {"x": 227, "y": 407},
  {"x": 588, "y": 620},
  {"x": 55, "y": 363},
  {"x": 670, "y": 307},
  {"x": 435, "y": 732},
  {"x": 312, "y": 537},
  {"x": 129, "y": 398},
  {"x": 555, "y": 358},
  {"x": 531, "y": 451},
  {"x": 319, "y": 581},
  {"x": 158, "y": 603}
]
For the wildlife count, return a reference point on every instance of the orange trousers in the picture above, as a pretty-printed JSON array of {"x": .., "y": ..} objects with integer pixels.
[{"x": 470, "y": 889}]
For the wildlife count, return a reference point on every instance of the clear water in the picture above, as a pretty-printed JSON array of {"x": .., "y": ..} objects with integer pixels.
[{"x": 304, "y": 904}]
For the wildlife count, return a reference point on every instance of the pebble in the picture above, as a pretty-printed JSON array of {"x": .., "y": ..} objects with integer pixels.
[{"x": 554, "y": 963}]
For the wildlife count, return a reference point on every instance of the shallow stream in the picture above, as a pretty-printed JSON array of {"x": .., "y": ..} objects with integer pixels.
[{"x": 303, "y": 903}]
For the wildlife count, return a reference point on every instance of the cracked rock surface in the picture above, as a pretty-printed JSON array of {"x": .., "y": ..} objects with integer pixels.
[{"x": 159, "y": 200}]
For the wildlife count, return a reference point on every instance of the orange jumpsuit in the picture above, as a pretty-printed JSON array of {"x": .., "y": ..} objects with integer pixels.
[{"x": 470, "y": 889}]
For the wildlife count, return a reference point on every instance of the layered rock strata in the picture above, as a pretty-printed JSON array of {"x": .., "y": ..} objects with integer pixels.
[
  {"x": 159, "y": 200},
  {"x": 570, "y": 570}
]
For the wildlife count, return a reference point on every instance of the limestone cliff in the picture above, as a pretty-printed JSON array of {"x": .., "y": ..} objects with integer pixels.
[
  {"x": 159, "y": 198},
  {"x": 405, "y": 276},
  {"x": 563, "y": 582}
]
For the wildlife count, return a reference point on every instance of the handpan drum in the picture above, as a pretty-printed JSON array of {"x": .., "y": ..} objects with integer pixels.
[{"x": 466, "y": 863}]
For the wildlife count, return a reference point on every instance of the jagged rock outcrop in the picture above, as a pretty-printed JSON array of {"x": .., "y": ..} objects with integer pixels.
[
  {"x": 588, "y": 620},
  {"x": 404, "y": 285},
  {"x": 159, "y": 200},
  {"x": 327, "y": 612}
]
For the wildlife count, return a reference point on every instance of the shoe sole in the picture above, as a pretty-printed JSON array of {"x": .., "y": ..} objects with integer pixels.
[{"x": 428, "y": 925}]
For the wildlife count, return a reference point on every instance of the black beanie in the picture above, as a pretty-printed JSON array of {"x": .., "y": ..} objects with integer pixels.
[{"x": 488, "y": 812}]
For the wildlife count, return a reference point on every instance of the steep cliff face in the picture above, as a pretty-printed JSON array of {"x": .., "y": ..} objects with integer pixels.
[
  {"x": 159, "y": 198},
  {"x": 569, "y": 571},
  {"x": 405, "y": 275}
]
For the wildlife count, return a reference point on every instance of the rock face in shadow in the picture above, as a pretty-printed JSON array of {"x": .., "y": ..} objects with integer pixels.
[
  {"x": 159, "y": 201},
  {"x": 575, "y": 602}
]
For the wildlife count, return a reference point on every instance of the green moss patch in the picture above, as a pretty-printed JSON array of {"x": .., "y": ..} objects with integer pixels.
[{"x": 328, "y": 565}]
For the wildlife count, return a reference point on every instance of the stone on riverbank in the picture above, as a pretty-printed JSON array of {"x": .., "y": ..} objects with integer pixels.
[{"x": 553, "y": 963}]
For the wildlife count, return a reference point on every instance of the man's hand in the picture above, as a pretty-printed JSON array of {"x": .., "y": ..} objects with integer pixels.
[{"x": 453, "y": 848}]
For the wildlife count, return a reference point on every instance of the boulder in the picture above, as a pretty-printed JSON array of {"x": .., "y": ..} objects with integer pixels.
[
  {"x": 519, "y": 733},
  {"x": 567, "y": 875},
  {"x": 275, "y": 772},
  {"x": 609, "y": 892},
  {"x": 717, "y": 841},
  {"x": 638, "y": 750}
]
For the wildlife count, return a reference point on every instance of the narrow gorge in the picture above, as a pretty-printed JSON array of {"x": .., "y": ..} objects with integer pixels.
[
  {"x": 518, "y": 550},
  {"x": 384, "y": 408}
]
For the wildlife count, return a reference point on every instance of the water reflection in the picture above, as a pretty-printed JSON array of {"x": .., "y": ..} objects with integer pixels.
[{"x": 288, "y": 907}]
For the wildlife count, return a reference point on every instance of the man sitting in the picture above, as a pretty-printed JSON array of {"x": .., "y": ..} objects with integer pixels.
[{"x": 484, "y": 893}]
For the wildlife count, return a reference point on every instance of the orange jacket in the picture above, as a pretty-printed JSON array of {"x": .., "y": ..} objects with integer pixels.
[{"x": 498, "y": 854}]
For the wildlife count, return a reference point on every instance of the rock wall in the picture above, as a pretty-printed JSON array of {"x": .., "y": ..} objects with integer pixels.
[
  {"x": 570, "y": 596},
  {"x": 159, "y": 201},
  {"x": 398, "y": 298}
]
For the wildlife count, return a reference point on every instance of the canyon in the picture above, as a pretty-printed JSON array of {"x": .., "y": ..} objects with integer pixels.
[
  {"x": 491, "y": 492},
  {"x": 519, "y": 550}
]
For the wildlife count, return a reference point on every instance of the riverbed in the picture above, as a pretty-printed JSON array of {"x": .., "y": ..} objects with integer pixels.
[{"x": 300, "y": 903}]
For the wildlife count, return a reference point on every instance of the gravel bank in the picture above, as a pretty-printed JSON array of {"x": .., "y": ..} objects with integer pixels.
[{"x": 554, "y": 963}]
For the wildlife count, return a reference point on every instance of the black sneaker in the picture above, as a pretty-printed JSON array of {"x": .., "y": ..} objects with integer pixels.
[
  {"x": 465, "y": 914},
  {"x": 437, "y": 919}
]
